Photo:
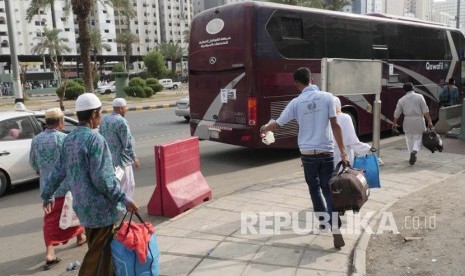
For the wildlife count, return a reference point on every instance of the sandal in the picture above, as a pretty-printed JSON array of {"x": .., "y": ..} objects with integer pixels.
[
  {"x": 81, "y": 242},
  {"x": 50, "y": 264}
]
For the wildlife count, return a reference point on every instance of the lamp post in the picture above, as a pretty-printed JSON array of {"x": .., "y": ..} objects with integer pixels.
[
  {"x": 458, "y": 14},
  {"x": 13, "y": 55}
]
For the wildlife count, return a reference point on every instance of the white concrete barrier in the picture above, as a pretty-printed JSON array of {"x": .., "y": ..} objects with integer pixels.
[{"x": 449, "y": 117}]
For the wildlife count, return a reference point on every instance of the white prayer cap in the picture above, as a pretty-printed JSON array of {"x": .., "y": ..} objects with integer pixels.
[
  {"x": 119, "y": 102},
  {"x": 53, "y": 113},
  {"x": 337, "y": 104},
  {"x": 87, "y": 101}
]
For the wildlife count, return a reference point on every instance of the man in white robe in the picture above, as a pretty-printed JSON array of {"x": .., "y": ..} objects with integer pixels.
[
  {"x": 415, "y": 110},
  {"x": 352, "y": 144}
]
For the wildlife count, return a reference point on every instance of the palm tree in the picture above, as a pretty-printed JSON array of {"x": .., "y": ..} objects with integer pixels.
[
  {"x": 97, "y": 43},
  {"x": 82, "y": 9},
  {"x": 173, "y": 52},
  {"x": 186, "y": 34},
  {"x": 51, "y": 43},
  {"x": 127, "y": 39}
]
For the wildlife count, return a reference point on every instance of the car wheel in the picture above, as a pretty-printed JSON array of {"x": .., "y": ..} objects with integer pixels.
[
  {"x": 3, "y": 183},
  {"x": 187, "y": 118},
  {"x": 175, "y": 86}
]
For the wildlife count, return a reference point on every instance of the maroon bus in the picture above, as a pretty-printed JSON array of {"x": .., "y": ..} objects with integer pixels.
[{"x": 242, "y": 57}]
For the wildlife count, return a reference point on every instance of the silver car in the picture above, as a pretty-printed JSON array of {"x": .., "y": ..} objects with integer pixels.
[
  {"x": 17, "y": 128},
  {"x": 183, "y": 108}
]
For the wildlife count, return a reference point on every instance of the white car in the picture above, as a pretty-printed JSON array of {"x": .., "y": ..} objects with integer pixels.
[
  {"x": 183, "y": 108},
  {"x": 169, "y": 84},
  {"x": 107, "y": 88},
  {"x": 17, "y": 128}
]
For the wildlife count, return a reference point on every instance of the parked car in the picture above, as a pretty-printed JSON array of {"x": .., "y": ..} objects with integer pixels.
[
  {"x": 183, "y": 108},
  {"x": 17, "y": 128},
  {"x": 107, "y": 88},
  {"x": 169, "y": 83}
]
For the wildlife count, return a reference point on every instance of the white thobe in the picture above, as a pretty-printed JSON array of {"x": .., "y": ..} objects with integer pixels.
[
  {"x": 351, "y": 142},
  {"x": 413, "y": 106}
]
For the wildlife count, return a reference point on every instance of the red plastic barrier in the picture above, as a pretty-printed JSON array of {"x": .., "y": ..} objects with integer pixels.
[{"x": 180, "y": 184}]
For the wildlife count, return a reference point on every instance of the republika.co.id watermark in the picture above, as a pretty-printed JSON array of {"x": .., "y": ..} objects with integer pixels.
[{"x": 271, "y": 223}]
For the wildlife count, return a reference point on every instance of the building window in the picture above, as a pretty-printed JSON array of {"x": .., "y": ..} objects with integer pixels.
[
  {"x": 107, "y": 31},
  {"x": 66, "y": 29}
]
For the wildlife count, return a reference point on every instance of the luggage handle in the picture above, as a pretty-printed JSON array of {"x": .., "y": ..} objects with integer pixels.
[
  {"x": 338, "y": 167},
  {"x": 130, "y": 219}
]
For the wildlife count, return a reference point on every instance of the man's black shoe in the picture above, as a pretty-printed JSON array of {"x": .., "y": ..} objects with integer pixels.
[
  {"x": 338, "y": 240},
  {"x": 413, "y": 158}
]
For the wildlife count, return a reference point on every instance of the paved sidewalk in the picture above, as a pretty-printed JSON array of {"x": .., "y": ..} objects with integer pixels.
[{"x": 207, "y": 240}]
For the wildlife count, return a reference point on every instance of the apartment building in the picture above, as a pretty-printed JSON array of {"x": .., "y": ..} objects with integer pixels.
[
  {"x": 155, "y": 21},
  {"x": 446, "y": 12}
]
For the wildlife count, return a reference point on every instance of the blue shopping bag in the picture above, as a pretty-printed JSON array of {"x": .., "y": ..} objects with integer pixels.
[
  {"x": 369, "y": 165},
  {"x": 126, "y": 261}
]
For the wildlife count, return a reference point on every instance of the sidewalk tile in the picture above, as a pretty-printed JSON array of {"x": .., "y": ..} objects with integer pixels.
[
  {"x": 245, "y": 233},
  {"x": 323, "y": 260},
  {"x": 210, "y": 267},
  {"x": 177, "y": 265},
  {"x": 289, "y": 239},
  {"x": 236, "y": 251},
  {"x": 268, "y": 270},
  {"x": 308, "y": 272},
  {"x": 278, "y": 256},
  {"x": 184, "y": 233},
  {"x": 325, "y": 243},
  {"x": 192, "y": 246}
]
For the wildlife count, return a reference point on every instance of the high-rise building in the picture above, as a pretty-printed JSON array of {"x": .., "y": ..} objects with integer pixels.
[
  {"x": 155, "y": 21},
  {"x": 446, "y": 12}
]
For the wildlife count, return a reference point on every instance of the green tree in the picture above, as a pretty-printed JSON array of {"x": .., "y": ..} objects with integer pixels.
[
  {"x": 51, "y": 43},
  {"x": 97, "y": 43},
  {"x": 186, "y": 34},
  {"x": 172, "y": 52},
  {"x": 155, "y": 63},
  {"x": 335, "y": 5},
  {"x": 127, "y": 39},
  {"x": 82, "y": 9}
]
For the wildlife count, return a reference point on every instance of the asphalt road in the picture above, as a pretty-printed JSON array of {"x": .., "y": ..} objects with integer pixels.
[{"x": 226, "y": 169}]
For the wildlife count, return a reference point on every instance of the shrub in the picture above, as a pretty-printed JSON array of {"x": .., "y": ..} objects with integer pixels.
[
  {"x": 72, "y": 91},
  {"x": 153, "y": 83},
  {"x": 79, "y": 81},
  {"x": 148, "y": 91},
  {"x": 137, "y": 82},
  {"x": 134, "y": 91},
  {"x": 118, "y": 68}
]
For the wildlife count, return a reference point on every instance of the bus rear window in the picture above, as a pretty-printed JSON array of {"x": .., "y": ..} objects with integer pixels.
[{"x": 291, "y": 27}]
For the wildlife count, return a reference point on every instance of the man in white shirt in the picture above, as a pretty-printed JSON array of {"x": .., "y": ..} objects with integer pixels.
[
  {"x": 315, "y": 113},
  {"x": 415, "y": 110}
]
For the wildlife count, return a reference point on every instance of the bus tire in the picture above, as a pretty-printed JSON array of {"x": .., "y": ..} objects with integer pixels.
[{"x": 3, "y": 183}]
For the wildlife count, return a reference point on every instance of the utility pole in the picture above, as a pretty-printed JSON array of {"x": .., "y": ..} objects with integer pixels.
[
  {"x": 458, "y": 14},
  {"x": 13, "y": 55}
]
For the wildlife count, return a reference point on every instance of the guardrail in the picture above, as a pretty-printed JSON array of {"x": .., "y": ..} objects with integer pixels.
[{"x": 449, "y": 117}]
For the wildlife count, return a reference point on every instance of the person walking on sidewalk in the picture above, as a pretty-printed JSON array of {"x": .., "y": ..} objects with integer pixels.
[
  {"x": 351, "y": 142},
  {"x": 86, "y": 161},
  {"x": 115, "y": 129},
  {"x": 450, "y": 94},
  {"x": 45, "y": 150},
  {"x": 316, "y": 116},
  {"x": 415, "y": 110}
]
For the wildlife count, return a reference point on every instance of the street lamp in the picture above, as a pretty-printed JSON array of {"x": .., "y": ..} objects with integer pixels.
[
  {"x": 13, "y": 55},
  {"x": 458, "y": 14}
]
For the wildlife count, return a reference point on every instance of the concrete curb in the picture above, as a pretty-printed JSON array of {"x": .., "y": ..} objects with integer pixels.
[
  {"x": 31, "y": 95},
  {"x": 132, "y": 108}
]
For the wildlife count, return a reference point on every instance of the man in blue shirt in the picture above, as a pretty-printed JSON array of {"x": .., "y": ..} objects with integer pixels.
[{"x": 315, "y": 113}]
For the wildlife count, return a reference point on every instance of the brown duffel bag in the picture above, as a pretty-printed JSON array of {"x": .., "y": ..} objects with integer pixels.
[{"x": 349, "y": 188}]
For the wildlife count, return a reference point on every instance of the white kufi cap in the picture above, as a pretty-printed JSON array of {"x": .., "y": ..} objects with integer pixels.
[
  {"x": 119, "y": 102},
  {"x": 87, "y": 101},
  {"x": 53, "y": 113}
]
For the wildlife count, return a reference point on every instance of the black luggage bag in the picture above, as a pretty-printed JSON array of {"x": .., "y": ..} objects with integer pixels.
[
  {"x": 349, "y": 189},
  {"x": 432, "y": 141}
]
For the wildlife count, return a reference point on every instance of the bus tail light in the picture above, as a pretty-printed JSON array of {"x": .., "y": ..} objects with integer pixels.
[{"x": 252, "y": 111}]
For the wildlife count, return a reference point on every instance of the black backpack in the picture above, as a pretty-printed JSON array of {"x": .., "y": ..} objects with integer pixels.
[{"x": 432, "y": 141}]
